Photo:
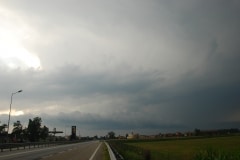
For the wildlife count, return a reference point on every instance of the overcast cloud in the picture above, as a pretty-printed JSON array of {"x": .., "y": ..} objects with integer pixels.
[{"x": 143, "y": 66}]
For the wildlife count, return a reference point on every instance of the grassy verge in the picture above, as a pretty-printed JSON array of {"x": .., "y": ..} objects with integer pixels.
[
  {"x": 105, "y": 152},
  {"x": 213, "y": 154},
  {"x": 219, "y": 148},
  {"x": 129, "y": 152}
]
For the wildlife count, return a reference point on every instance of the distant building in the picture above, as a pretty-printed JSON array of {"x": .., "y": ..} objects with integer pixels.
[
  {"x": 133, "y": 136},
  {"x": 121, "y": 137}
]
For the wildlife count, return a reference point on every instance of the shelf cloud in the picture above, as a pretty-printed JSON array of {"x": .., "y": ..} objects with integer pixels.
[{"x": 145, "y": 66}]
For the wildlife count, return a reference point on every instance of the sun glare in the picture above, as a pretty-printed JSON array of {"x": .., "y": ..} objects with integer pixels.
[
  {"x": 13, "y": 113},
  {"x": 13, "y": 53}
]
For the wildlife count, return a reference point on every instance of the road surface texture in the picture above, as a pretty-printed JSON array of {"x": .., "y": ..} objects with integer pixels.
[{"x": 79, "y": 151}]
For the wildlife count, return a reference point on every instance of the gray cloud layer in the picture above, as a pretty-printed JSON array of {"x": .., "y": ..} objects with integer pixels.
[{"x": 150, "y": 66}]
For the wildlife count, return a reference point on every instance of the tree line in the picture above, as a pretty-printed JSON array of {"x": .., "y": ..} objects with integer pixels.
[{"x": 33, "y": 133}]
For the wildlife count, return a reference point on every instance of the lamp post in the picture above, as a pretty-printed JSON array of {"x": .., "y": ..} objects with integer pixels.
[{"x": 11, "y": 108}]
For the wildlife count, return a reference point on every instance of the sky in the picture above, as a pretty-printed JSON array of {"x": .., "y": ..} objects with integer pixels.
[{"x": 138, "y": 66}]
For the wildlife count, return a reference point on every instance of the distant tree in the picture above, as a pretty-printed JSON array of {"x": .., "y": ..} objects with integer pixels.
[
  {"x": 111, "y": 135},
  {"x": 25, "y": 133},
  {"x": 197, "y": 132},
  {"x": 95, "y": 137},
  {"x": 35, "y": 132},
  {"x": 44, "y": 132},
  {"x": 2, "y": 129},
  {"x": 17, "y": 130}
]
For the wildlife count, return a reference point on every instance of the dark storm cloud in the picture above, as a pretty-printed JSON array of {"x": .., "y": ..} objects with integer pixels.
[
  {"x": 147, "y": 103},
  {"x": 156, "y": 65}
]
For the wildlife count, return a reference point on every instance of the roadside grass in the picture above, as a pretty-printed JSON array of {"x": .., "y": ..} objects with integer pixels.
[
  {"x": 106, "y": 155},
  {"x": 212, "y": 154},
  {"x": 217, "y": 148}
]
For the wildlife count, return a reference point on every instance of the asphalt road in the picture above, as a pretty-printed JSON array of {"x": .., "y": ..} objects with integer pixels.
[{"x": 80, "y": 151}]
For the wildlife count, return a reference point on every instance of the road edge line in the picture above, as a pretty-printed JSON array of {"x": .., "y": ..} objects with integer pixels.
[{"x": 91, "y": 158}]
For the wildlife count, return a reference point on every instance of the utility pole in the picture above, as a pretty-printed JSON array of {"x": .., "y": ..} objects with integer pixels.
[{"x": 11, "y": 108}]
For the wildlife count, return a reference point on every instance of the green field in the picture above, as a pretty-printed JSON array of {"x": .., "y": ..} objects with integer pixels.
[{"x": 219, "y": 148}]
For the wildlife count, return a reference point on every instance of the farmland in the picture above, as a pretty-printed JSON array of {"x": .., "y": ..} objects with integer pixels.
[{"x": 180, "y": 149}]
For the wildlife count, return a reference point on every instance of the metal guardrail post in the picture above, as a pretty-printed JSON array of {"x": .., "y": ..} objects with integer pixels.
[{"x": 29, "y": 145}]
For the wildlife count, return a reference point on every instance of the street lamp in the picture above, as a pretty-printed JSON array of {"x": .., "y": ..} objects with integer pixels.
[{"x": 11, "y": 108}]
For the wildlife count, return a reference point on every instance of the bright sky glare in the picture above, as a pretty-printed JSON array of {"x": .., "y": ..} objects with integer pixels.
[{"x": 12, "y": 52}]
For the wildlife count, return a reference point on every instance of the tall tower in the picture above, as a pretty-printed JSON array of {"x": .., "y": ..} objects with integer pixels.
[{"x": 73, "y": 135}]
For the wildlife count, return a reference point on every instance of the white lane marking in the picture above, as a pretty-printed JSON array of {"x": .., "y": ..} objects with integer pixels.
[
  {"x": 14, "y": 154},
  {"x": 91, "y": 158},
  {"x": 46, "y": 156},
  {"x": 61, "y": 152}
]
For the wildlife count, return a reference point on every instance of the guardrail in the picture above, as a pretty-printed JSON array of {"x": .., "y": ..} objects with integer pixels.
[
  {"x": 29, "y": 145},
  {"x": 114, "y": 155},
  {"x": 111, "y": 154}
]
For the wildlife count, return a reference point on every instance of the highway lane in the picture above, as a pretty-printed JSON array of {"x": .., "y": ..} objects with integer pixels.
[{"x": 79, "y": 151}]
